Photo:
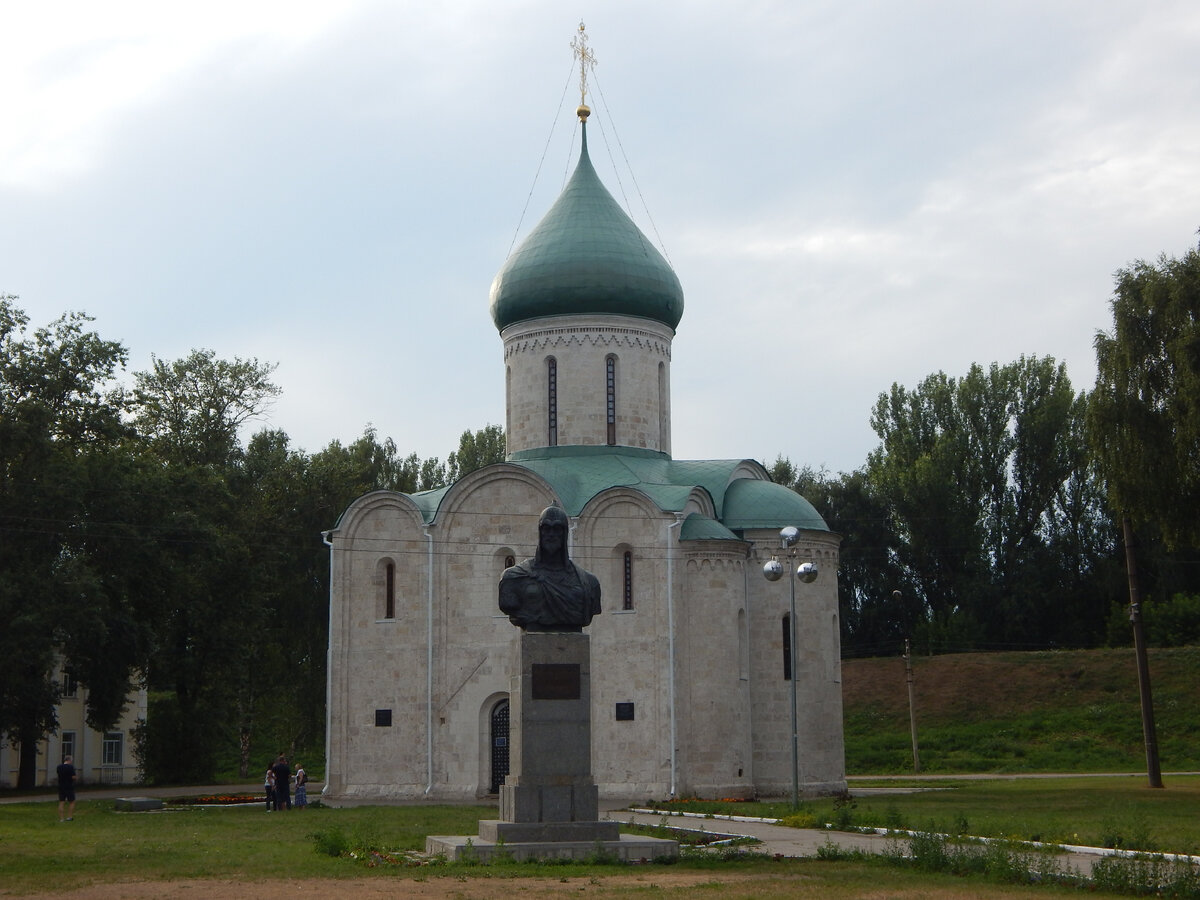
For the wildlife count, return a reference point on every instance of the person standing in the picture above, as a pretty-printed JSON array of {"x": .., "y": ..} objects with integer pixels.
[
  {"x": 66, "y": 789},
  {"x": 283, "y": 777},
  {"x": 269, "y": 787},
  {"x": 301, "y": 787}
]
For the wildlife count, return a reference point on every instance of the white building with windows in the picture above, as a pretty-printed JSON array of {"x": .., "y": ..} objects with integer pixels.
[
  {"x": 692, "y": 664},
  {"x": 101, "y": 757}
]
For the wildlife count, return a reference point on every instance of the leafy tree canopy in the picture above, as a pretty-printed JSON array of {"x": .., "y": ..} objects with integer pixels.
[
  {"x": 1144, "y": 419},
  {"x": 59, "y": 414},
  {"x": 191, "y": 409}
]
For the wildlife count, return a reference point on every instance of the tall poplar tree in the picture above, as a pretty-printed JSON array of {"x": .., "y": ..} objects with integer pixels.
[
  {"x": 1144, "y": 413},
  {"x": 990, "y": 491}
]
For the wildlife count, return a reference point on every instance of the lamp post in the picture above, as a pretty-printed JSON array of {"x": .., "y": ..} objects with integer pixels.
[{"x": 806, "y": 573}]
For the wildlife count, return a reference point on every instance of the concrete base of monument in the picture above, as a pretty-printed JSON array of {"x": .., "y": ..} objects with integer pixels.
[
  {"x": 549, "y": 803},
  {"x": 567, "y": 840},
  {"x": 500, "y": 831}
]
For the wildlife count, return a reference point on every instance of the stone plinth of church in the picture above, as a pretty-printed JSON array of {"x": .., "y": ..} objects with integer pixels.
[{"x": 549, "y": 804}]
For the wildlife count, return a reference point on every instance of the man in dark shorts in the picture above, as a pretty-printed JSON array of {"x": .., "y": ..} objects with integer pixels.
[
  {"x": 283, "y": 776},
  {"x": 66, "y": 789}
]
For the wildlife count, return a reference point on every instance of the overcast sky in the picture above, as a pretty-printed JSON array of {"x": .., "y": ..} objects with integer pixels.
[{"x": 852, "y": 194}]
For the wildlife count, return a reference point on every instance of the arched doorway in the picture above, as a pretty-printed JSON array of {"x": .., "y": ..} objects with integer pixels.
[{"x": 499, "y": 742}]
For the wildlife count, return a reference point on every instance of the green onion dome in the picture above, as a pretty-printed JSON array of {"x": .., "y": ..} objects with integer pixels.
[{"x": 586, "y": 256}]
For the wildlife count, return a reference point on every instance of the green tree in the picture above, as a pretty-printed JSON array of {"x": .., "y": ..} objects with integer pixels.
[
  {"x": 476, "y": 450},
  {"x": 192, "y": 409},
  {"x": 1145, "y": 426},
  {"x": 1144, "y": 413},
  {"x": 1000, "y": 526},
  {"x": 278, "y": 681},
  {"x": 368, "y": 464},
  {"x": 921, "y": 473},
  {"x": 59, "y": 415},
  {"x": 189, "y": 413}
]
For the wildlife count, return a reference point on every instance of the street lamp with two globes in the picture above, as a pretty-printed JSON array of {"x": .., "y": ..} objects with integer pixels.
[{"x": 806, "y": 573}]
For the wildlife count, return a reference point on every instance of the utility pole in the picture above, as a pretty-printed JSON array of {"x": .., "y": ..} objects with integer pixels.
[
  {"x": 912, "y": 709},
  {"x": 912, "y": 706},
  {"x": 1149, "y": 733}
]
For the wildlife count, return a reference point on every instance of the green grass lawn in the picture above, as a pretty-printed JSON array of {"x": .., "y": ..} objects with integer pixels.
[
  {"x": 1093, "y": 811},
  {"x": 1096, "y": 812},
  {"x": 37, "y": 851},
  {"x": 40, "y": 855}
]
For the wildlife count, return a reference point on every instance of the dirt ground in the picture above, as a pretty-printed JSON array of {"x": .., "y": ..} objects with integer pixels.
[
  {"x": 647, "y": 884},
  {"x": 457, "y": 887}
]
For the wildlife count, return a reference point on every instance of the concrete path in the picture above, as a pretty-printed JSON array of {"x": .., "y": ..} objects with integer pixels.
[
  {"x": 776, "y": 839},
  {"x": 806, "y": 842}
]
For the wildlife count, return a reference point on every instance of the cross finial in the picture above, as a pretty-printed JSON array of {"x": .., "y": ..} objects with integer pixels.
[{"x": 587, "y": 60}]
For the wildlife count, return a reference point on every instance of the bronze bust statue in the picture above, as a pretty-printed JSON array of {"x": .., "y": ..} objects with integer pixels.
[{"x": 549, "y": 592}]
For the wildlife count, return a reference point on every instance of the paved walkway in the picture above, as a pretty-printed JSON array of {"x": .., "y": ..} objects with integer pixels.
[{"x": 805, "y": 842}]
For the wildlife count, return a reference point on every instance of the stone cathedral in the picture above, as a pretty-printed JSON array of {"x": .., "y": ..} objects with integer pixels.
[{"x": 691, "y": 656}]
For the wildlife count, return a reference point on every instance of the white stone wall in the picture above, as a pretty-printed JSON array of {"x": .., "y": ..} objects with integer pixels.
[
  {"x": 630, "y": 648},
  {"x": 486, "y": 518},
  {"x": 445, "y": 661},
  {"x": 376, "y": 663},
  {"x": 817, "y": 665},
  {"x": 580, "y": 345},
  {"x": 728, "y": 695},
  {"x": 714, "y": 695}
]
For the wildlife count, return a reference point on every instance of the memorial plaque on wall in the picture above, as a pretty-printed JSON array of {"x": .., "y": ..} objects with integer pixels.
[{"x": 556, "y": 681}]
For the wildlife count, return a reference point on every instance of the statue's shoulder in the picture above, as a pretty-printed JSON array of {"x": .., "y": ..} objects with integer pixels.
[
  {"x": 523, "y": 569},
  {"x": 586, "y": 578}
]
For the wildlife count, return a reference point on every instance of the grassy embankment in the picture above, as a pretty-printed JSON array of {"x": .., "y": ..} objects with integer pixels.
[{"x": 1055, "y": 711}]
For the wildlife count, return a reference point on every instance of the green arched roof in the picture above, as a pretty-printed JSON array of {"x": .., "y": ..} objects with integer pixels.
[
  {"x": 586, "y": 256},
  {"x": 765, "y": 504},
  {"x": 701, "y": 528},
  {"x": 577, "y": 474}
]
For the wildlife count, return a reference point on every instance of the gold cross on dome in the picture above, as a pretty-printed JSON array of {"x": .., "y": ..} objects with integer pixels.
[{"x": 587, "y": 60}]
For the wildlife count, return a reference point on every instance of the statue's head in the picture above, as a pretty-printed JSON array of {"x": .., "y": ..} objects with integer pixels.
[{"x": 552, "y": 536}]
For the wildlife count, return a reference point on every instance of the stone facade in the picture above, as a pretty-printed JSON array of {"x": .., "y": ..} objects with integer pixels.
[
  {"x": 581, "y": 347},
  {"x": 697, "y": 661}
]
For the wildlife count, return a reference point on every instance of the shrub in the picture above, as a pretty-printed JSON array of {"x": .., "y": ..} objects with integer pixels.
[
  {"x": 1145, "y": 874},
  {"x": 1168, "y": 623},
  {"x": 330, "y": 842},
  {"x": 801, "y": 819}
]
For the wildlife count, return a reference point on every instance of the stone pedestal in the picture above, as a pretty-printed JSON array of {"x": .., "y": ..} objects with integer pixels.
[{"x": 549, "y": 805}]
